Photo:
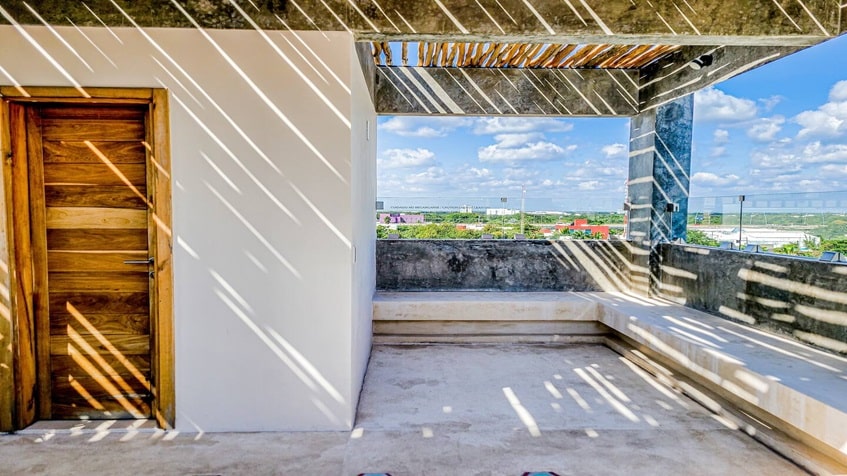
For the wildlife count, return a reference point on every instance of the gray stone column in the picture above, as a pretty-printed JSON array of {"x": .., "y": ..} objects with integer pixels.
[{"x": 657, "y": 192}]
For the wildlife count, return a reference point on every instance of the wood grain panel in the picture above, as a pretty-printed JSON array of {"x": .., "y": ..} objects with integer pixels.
[
  {"x": 94, "y": 174},
  {"x": 107, "y": 409},
  {"x": 77, "y": 112},
  {"x": 80, "y": 152},
  {"x": 104, "y": 196},
  {"x": 96, "y": 239},
  {"x": 73, "y": 217},
  {"x": 95, "y": 261},
  {"x": 66, "y": 365},
  {"x": 123, "y": 344},
  {"x": 99, "y": 281},
  {"x": 101, "y": 302},
  {"x": 101, "y": 387},
  {"x": 93, "y": 130},
  {"x": 136, "y": 324}
]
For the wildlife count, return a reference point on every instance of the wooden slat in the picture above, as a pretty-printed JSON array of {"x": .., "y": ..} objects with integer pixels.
[
  {"x": 102, "y": 387},
  {"x": 560, "y": 56},
  {"x": 7, "y": 356},
  {"x": 123, "y": 344},
  {"x": 611, "y": 55},
  {"x": 97, "y": 239},
  {"x": 68, "y": 95},
  {"x": 404, "y": 53},
  {"x": 84, "y": 112},
  {"x": 79, "y": 152},
  {"x": 99, "y": 281},
  {"x": 66, "y": 365},
  {"x": 38, "y": 236},
  {"x": 95, "y": 261},
  {"x": 25, "y": 372},
  {"x": 585, "y": 51},
  {"x": 95, "y": 174},
  {"x": 544, "y": 56},
  {"x": 161, "y": 237},
  {"x": 112, "y": 410},
  {"x": 103, "y": 196},
  {"x": 624, "y": 60},
  {"x": 101, "y": 302},
  {"x": 93, "y": 130},
  {"x": 79, "y": 218},
  {"x": 595, "y": 53},
  {"x": 107, "y": 324},
  {"x": 530, "y": 53}
]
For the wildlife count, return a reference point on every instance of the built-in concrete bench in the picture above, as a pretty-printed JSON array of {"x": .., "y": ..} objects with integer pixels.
[{"x": 798, "y": 390}]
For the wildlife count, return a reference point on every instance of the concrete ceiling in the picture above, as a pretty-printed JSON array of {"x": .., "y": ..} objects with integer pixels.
[{"x": 738, "y": 35}]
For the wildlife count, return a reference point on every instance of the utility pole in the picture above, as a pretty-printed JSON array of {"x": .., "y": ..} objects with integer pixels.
[
  {"x": 523, "y": 205},
  {"x": 740, "y": 218}
]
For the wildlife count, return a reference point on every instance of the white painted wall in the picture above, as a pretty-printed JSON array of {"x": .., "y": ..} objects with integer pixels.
[{"x": 274, "y": 183}]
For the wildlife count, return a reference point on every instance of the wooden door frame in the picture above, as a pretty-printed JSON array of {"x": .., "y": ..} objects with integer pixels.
[{"x": 18, "y": 403}]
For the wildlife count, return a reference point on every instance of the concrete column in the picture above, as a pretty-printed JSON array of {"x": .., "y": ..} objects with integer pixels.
[{"x": 659, "y": 167}]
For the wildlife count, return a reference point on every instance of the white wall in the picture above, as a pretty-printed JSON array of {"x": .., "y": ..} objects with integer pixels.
[{"x": 271, "y": 192}]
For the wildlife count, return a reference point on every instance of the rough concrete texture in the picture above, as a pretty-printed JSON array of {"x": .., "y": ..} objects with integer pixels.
[
  {"x": 806, "y": 299},
  {"x": 659, "y": 84},
  {"x": 448, "y": 410},
  {"x": 785, "y": 384},
  {"x": 745, "y": 22},
  {"x": 516, "y": 91},
  {"x": 505, "y": 265}
]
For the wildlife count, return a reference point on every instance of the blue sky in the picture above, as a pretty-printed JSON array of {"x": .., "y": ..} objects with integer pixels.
[{"x": 779, "y": 128}]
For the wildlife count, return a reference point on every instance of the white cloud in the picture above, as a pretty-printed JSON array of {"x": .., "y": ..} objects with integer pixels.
[
  {"x": 709, "y": 179},
  {"x": 500, "y": 125},
  {"x": 614, "y": 150},
  {"x": 769, "y": 103},
  {"x": 404, "y": 158},
  {"x": 816, "y": 152},
  {"x": 835, "y": 169},
  {"x": 721, "y": 136},
  {"x": 830, "y": 119},
  {"x": 589, "y": 185},
  {"x": 426, "y": 127},
  {"x": 718, "y": 152},
  {"x": 430, "y": 176},
  {"x": 521, "y": 147},
  {"x": 714, "y": 105},
  {"x": 766, "y": 128},
  {"x": 838, "y": 92}
]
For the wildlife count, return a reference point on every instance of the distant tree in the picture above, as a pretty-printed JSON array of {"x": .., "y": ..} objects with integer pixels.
[
  {"x": 788, "y": 249},
  {"x": 381, "y": 232},
  {"x": 696, "y": 237},
  {"x": 837, "y": 244}
]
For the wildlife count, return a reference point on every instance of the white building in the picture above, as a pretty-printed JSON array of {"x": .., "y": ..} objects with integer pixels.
[{"x": 769, "y": 237}]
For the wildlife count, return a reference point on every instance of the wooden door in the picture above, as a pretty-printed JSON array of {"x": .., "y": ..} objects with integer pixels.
[{"x": 89, "y": 222}]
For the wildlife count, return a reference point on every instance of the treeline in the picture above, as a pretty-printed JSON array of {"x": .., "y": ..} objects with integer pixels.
[{"x": 449, "y": 231}]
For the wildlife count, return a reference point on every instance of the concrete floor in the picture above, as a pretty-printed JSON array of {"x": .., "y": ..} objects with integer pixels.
[{"x": 445, "y": 410}]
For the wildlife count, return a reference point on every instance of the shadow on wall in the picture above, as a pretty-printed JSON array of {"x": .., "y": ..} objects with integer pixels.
[
  {"x": 503, "y": 265},
  {"x": 800, "y": 297}
]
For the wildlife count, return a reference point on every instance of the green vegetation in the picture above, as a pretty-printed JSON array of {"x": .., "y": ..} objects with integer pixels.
[{"x": 696, "y": 237}]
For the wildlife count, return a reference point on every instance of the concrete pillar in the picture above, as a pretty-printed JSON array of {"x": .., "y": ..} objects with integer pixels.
[{"x": 657, "y": 192}]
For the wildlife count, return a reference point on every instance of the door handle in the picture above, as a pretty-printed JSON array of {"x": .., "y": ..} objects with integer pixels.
[{"x": 139, "y": 261}]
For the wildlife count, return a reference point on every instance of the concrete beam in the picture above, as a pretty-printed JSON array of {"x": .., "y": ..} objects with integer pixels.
[
  {"x": 671, "y": 77},
  {"x": 526, "y": 92},
  {"x": 726, "y": 22}
]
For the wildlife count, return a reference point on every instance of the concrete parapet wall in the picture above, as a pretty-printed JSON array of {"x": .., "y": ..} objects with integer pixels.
[
  {"x": 502, "y": 265},
  {"x": 801, "y": 297}
]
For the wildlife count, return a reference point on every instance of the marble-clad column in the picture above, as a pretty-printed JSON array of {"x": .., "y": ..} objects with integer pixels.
[{"x": 659, "y": 175}]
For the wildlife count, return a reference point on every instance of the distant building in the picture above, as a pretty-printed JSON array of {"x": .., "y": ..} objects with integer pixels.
[
  {"x": 399, "y": 218},
  {"x": 768, "y": 237},
  {"x": 582, "y": 225},
  {"x": 500, "y": 211}
]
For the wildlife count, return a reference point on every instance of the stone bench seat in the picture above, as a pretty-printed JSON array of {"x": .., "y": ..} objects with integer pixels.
[{"x": 794, "y": 387}]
